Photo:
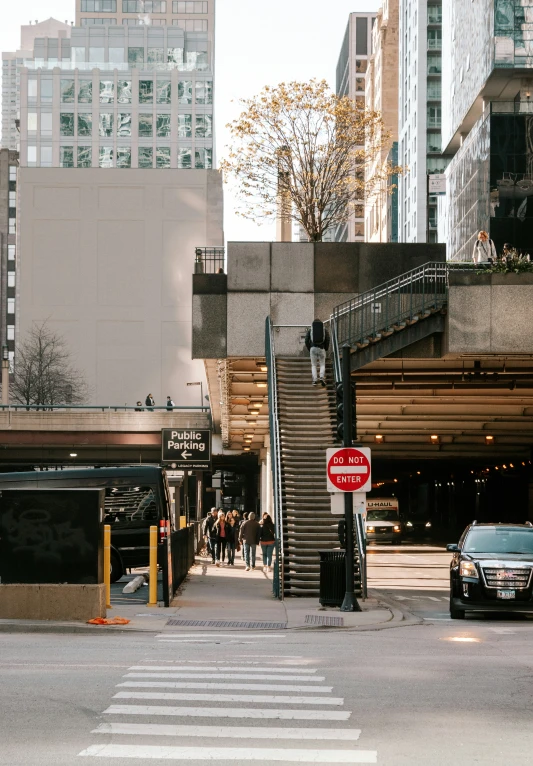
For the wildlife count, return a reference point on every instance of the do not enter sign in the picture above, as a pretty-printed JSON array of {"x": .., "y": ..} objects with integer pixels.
[{"x": 349, "y": 469}]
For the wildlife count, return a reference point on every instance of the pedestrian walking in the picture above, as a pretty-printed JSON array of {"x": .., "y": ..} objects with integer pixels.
[
  {"x": 150, "y": 402},
  {"x": 249, "y": 535},
  {"x": 317, "y": 343},
  {"x": 170, "y": 404},
  {"x": 268, "y": 540},
  {"x": 484, "y": 249},
  {"x": 221, "y": 529},
  {"x": 209, "y": 534},
  {"x": 231, "y": 540},
  {"x": 139, "y": 407},
  {"x": 244, "y": 518}
]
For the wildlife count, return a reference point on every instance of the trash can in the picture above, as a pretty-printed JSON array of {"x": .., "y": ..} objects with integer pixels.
[{"x": 332, "y": 577}]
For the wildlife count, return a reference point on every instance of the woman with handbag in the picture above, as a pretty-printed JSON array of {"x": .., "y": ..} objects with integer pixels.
[{"x": 267, "y": 541}]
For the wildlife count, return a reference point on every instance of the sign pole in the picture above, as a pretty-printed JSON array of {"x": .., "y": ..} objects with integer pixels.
[{"x": 349, "y": 603}]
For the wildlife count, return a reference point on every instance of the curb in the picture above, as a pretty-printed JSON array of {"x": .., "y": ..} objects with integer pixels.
[{"x": 402, "y": 618}]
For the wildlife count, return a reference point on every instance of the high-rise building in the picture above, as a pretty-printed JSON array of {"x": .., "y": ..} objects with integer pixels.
[
  {"x": 488, "y": 123},
  {"x": 352, "y": 67},
  {"x": 382, "y": 96},
  {"x": 8, "y": 228},
  {"x": 420, "y": 114}
]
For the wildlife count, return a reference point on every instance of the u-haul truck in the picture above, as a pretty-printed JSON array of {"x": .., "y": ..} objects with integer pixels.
[{"x": 382, "y": 520}]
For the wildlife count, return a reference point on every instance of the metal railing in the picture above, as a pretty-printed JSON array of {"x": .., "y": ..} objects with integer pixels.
[
  {"x": 209, "y": 260},
  {"x": 511, "y": 107},
  {"x": 275, "y": 451},
  {"x": 98, "y": 408},
  {"x": 391, "y": 306}
]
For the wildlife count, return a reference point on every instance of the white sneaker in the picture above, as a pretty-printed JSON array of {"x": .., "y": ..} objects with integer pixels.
[
  {"x": 246, "y": 569},
  {"x": 269, "y": 569}
]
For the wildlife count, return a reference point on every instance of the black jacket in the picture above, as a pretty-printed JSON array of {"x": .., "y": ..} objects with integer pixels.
[
  {"x": 309, "y": 345},
  {"x": 207, "y": 527},
  {"x": 268, "y": 533},
  {"x": 150, "y": 402}
]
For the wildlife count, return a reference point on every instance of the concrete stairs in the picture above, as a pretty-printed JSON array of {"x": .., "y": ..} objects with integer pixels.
[{"x": 307, "y": 422}]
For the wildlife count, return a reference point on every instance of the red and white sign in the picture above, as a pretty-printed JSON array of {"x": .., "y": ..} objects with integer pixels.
[{"x": 348, "y": 469}]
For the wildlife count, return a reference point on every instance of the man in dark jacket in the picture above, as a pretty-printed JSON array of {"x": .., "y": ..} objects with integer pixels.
[
  {"x": 317, "y": 343},
  {"x": 249, "y": 535},
  {"x": 210, "y": 534},
  {"x": 150, "y": 402}
]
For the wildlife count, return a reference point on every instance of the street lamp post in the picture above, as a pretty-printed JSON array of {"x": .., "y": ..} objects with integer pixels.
[
  {"x": 199, "y": 383},
  {"x": 5, "y": 375}
]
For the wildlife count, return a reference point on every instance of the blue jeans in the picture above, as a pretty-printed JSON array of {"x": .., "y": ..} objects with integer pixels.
[
  {"x": 249, "y": 554},
  {"x": 268, "y": 550}
]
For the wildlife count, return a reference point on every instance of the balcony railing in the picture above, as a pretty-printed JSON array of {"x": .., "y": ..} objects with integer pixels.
[
  {"x": 511, "y": 107},
  {"x": 209, "y": 260}
]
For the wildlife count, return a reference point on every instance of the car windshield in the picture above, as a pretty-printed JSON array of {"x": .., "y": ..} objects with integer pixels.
[
  {"x": 499, "y": 540},
  {"x": 382, "y": 515}
]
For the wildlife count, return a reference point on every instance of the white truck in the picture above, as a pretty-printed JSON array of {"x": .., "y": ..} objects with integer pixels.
[{"x": 382, "y": 520}]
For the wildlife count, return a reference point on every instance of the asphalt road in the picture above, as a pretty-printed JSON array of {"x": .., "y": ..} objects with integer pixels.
[{"x": 433, "y": 694}]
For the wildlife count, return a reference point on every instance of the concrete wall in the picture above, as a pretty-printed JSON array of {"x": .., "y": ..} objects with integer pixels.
[
  {"x": 52, "y": 602},
  {"x": 106, "y": 256},
  {"x": 293, "y": 283},
  {"x": 490, "y": 314}
]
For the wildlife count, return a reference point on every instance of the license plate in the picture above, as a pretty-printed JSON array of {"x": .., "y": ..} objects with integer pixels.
[{"x": 505, "y": 594}]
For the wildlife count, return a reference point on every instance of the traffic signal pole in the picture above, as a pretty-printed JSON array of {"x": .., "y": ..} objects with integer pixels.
[{"x": 350, "y": 603}]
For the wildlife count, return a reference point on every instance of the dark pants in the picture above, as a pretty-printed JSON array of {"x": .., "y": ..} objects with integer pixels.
[
  {"x": 230, "y": 548},
  {"x": 212, "y": 547},
  {"x": 221, "y": 549}
]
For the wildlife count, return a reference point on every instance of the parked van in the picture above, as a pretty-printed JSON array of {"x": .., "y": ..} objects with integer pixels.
[
  {"x": 382, "y": 522},
  {"x": 136, "y": 498}
]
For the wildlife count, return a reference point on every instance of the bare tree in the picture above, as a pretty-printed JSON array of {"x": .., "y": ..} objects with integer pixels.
[
  {"x": 300, "y": 144},
  {"x": 44, "y": 374}
]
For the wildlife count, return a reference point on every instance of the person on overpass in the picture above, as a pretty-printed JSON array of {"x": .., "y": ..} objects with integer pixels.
[
  {"x": 317, "y": 343},
  {"x": 150, "y": 402},
  {"x": 484, "y": 249},
  {"x": 249, "y": 535},
  {"x": 170, "y": 404}
]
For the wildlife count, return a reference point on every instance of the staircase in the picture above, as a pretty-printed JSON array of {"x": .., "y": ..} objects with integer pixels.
[{"x": 307, "y": 427}]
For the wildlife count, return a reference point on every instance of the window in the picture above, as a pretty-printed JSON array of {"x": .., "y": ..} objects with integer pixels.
[
  {"x": 97, "y": 21},
  {"x": 204, "y": 126},
  {"x": 12, "y": 199},
  {"x": 84, "y": 156},
  {"x": 66, "y": 123},
  {"x": 105, "y": 127},
  {"x": 123, "y": 125},
  {"x": 434, "y": 116},
  {"x": 359, "y": 83},
  {"x": 32, "y": 156},
  {"x": 175, "y": 55},
  {"x": 195, "y": 60},
  {"x": 116, "y": 55},
  {"x": 146, "y": 125},
  {"x": 32, "y": 122},
  {"x": 434, "y": 14},
  {"x": 124, "y": 92},
  {"x": 32, "y": 91},
  {"x": 184, "y": 125},
  {"x": 66, "y": 156},
  {"x": 46, "y": 156},
  {"x": 67, "y": 91},
  {"x": 146, "y": 91},
  {"x": 191, "y": 25},
  {"x": 361, "y": 35},
  {"x": 163, "y": 125},
  {"x": 85, "y": 124},
  {"x": 146, "y": 158},
  {"x": 13, "y": 225},
  {"x": 11, "y": 332},
  {"x": 156, "y": 55},
  {"x": 148, "y": 6},
  {"x": 360, "y": 65},
  {"x": 123, "y": 157},
  {"x": 98, "y": 6},
  {"x": 85, "y": 92},
  {"x": 158, "y": 22},
  {"x": 11, "y": 249},
  {"x": 189, "y": 6},
  {"x": 77, "y": 54},
  {"x": 11, "y": 279},
  {"x": 434, "y": 39},
  {"x": 203, "y": 158},
  {"x": 106, "y": 157},
  {"x": 47, "y": 90},
  {"x": 96, "y": 55},
  {"x": 204, "y": 91},
  {"x": 10, "y": 305},
  {"x": 434, "y": 63},
  {"x": 163, "y": 92},
  {"x": 162, "y": 157},
  {"x": 107, "y": 91},
  {"x": 185, "y": 92},
  {"x": 184, "y": 157},
  {"x": 135, "y": 56}
]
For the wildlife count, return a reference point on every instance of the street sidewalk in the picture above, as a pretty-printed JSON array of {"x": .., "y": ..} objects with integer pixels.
[{"x": 218, "y": 598}]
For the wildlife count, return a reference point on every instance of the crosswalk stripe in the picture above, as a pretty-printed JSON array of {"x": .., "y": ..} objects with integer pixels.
[
  {"x": 228, "y": 732},
  {"x": 267, "y": 698},
  {"x": 226, "y": 686},
  {"x": 220, "y": 635},
  {"x": 222, "y": 676},
  {"x": 202, "y": 669},
  {"x": 218, "y": 754},
  {"x": 216, "y": 712}
]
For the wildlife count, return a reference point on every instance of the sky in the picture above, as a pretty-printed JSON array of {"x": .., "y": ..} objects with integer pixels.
[{"x": 257, "y": 43}]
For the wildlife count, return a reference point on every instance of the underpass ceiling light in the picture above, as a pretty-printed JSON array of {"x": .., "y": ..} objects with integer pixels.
[
  {"x": 489, "y": 439},
  {"x": 434, "y": 438},
  {"x": 246, "y": 449},
  {"x": 378, "y": 438},
  {"x": 261, "y": 385},
  {"x": 73, "y": 454}
]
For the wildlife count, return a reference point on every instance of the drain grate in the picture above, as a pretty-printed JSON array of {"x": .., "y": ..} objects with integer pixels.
[
  {"x": 332, "y": 622},
  {"x": 228, "y": 624}
]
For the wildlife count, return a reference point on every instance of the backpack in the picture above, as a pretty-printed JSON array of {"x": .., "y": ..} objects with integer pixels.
[{"x": 317, "y": 333}]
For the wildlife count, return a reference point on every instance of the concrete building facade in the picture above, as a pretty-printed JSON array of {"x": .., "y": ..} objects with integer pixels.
[
  {"x": 382, "y": 96},
  {"x": 351, "y": 75},
  {"x": 8, "y": 248},
  {"x": 107, "y": 260}
]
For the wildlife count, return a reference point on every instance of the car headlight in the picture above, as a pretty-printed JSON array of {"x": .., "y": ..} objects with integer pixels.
[
  {"x": 397, "y": 529},
  {"x": 370, "y": 529},
  {"x": 408, "y": 524},
  {"x": 468, "y": 569},
  {"x": 428, "y": 524}
]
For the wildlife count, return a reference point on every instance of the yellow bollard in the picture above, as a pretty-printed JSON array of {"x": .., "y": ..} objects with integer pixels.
[
  {"x": 107, "y": 565},
  {"x": 152, "y": 601}
]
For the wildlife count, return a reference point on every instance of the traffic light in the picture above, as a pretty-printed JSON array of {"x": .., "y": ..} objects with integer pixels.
[{"x": 340, "y": 411}]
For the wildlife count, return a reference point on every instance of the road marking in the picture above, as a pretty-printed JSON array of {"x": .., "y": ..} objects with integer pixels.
[
  {"x": 202, "y": 641},
  {"x": 202, "y": 669},
  {"x": 219, "y": 754},
  {"x": 226, "y": 686},
  {"x": 227, "y": 732},
  {"x": 222, "y": 676},
  {"x": 217, "y": 712},
  {"x": 267, "y": 698},
  {"x": 219, "y": 635},
  {"x": 503, "y": 631}
]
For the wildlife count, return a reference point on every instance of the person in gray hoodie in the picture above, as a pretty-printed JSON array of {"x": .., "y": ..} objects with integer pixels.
[{"x": 249, "y": 536}]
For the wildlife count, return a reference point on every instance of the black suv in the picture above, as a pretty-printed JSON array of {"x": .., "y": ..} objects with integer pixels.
[{"x": 491, "y": 569}]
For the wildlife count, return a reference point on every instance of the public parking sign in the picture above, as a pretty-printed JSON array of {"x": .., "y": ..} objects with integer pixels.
[
  {"x": 187, "y": 448},
  {"x": 348, "y": 469}
]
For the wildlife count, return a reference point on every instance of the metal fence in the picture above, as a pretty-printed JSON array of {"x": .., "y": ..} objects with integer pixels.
[
  {"x": 182, "y": 547},
  {"x": 99, "y": 408},
  {"x": 209, "y": 260},
  {"x": 275, "y": 449}
]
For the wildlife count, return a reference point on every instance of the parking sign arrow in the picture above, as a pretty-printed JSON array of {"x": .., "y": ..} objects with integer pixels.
[{"x": 186, "y": 454}]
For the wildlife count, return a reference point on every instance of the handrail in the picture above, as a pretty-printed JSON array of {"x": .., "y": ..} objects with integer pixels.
[
  {"x": 275, "y": 450},
  {"x": 335, "y": 351},
  {"x": 99, "y": 407}
]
